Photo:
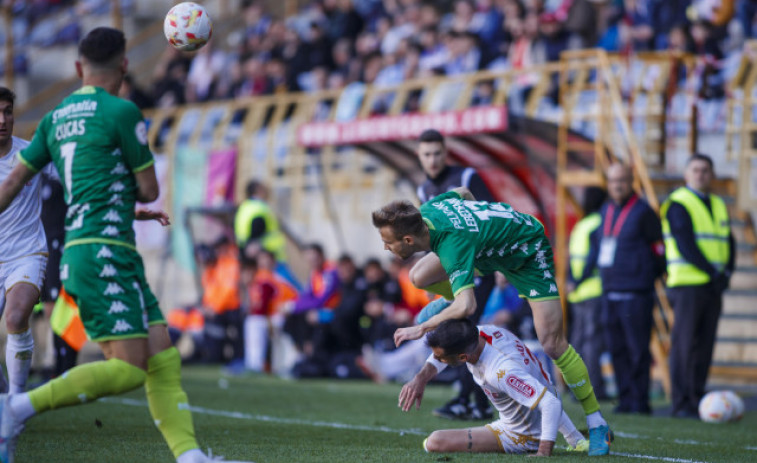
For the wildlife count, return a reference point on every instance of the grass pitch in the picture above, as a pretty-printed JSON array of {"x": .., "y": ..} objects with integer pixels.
[{"x": 265, "y": 419}]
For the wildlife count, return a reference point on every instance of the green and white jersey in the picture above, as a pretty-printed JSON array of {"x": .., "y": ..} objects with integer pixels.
[
  {"x": 97, "y": 142},
  {"x": 489, "y": 237}
]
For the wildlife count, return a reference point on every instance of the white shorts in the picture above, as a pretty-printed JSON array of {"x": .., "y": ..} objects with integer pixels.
[
  {"x": 511, "y": 441},
  {"x": 26, "y": 269}
]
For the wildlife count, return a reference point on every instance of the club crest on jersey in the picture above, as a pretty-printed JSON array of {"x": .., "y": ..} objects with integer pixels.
[
  {"x": 497, "y": 334},
  {"x": 521, "y": 386}
]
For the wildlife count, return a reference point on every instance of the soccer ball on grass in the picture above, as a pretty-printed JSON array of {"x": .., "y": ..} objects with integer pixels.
[
  {"x": 187, "y": 26},
  {"x": 721, "y": 407}
]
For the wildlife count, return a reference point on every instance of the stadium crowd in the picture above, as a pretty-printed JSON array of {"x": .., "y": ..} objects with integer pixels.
[{"x": 344, "y": 44}]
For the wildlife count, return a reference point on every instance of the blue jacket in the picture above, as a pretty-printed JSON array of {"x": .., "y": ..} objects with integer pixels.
[{"x": 639, "y": 255}]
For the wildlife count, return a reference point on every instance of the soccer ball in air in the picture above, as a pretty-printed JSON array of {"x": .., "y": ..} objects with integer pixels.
[
  {"x": 187, "y": 26},
  {"x": 721, "y": 407}
]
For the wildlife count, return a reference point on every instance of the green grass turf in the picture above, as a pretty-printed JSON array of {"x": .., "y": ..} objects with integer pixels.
[{"x": 265, "y": 419}]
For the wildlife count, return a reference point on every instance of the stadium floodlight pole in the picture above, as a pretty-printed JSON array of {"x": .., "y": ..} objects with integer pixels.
[{"x": 9, "y": 71}]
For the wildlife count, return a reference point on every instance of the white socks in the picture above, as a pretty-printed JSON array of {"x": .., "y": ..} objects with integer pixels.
[
  {"x": 192, "y": 456},
  {"x": 595, "y": 419},
  {"x": 18, "y": 359},
  {"x": 21, "y": 407}
]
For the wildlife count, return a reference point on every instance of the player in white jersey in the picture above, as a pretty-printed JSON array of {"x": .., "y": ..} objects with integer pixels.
[
  {"x": 530, "y": 411},
  {"x": 23, "y": 254}
]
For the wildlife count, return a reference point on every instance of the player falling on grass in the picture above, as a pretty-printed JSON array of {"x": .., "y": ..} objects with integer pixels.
[
  {"x": 23, "y": 255},
  {"x": 98, "y": 144},
  {"x": 467, "y": 235},
  {"x": 530, "y": 411}
]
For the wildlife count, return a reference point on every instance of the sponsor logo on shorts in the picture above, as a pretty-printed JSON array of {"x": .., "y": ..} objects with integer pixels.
[
  {"x": 110, "y": 230},
  {"x": 113, "y": 289},
  {"x": 104, "y": 253},
  {"x": 457, "y": 274},
  {"x": 521, "y": 386},
  {"x": 121, "y": 326},
  {"x": 108, "y": 271},
  {"x": 117, "y": 307},
  {"x": 112, "y": 216},
  {"x": 533, "y": 293}
]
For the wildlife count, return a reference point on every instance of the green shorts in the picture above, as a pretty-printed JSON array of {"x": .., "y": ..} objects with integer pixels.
[
  {"x": 108, "y": 284},
  {"x": 531, "y": 269}
]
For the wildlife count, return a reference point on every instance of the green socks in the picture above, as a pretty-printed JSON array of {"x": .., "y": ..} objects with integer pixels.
[
  {"x": 168, "y": 402},
  {"x": 576, "y": 377},
  {"x": 442, "y": 288},
  {"x": 87, "y": 382}
]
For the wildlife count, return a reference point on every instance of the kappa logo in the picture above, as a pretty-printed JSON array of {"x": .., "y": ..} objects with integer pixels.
[
  {"x": 115, "y": 200},
  {"x": 112, "y": 216},
  {"x": 104, "y": 253},
  {"x": 547, "y": 275},
  {"x": 117, "y": 187},
  {"x": 64, "y": 272},
  {"x": 552, "y": 288},
  {"x": 117, "y": 307},
  {"x": 112, "y": 289},
  {"x": 121, "y": 326},
  {"x": 521, "y": 386},
  {"x": 501, "y": 374},
  {"x": 119, "y": 169},
  {"x": 108, "y": 271},
  {"x": 110, "y": 230},
  {"x": 533, "y": 293},
  {"x": 116, "y": 152}
]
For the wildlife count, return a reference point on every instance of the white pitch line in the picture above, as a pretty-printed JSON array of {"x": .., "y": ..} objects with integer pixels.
[
  {"x": 401, "y": 432},
  {"x": 650, "y": 457},
  {"x": 273, "y": 419}
]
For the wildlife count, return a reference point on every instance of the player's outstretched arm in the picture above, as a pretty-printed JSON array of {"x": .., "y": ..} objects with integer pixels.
[
  {"x": 463, "y": 306},
  {"x": 13, "y": 183},
  {"x": 412, "y": 391},
  {"x": 149, "y": 214}
]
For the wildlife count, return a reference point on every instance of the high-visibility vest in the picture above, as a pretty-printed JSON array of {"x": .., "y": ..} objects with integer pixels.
[
  {"x": 273, "y": 240},
  {"x": 578, "y": 248},
  {"x": 66, "y": 323},
  {"x": 711, "y": 231}
]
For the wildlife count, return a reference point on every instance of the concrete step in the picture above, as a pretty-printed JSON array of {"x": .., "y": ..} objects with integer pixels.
[
  {"x": 736, "y": 351},
  {"x": 744, "y": 277},
  {"x": 740, "y": 301},
  {"x": 738, "y": 326}
]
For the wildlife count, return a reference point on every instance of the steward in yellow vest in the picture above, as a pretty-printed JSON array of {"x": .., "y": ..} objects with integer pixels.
[
  {"x": 578, "y": 248},
  {"x": 700, "y": 258},
  {"x": 255, "y": 221}
]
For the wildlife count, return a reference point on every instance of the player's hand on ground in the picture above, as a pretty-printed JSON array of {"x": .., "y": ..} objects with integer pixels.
[
  {"x": 407, "y": 334},
  {"x": 149, "y": 214},
  {"x": 412, "y": 392},
  {"x": 545, "y": 449}
]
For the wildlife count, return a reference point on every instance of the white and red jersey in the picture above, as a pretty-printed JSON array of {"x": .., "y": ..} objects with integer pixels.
[
  {"x": 513, "y": 378},
  {"x": 21, "y": 231}
]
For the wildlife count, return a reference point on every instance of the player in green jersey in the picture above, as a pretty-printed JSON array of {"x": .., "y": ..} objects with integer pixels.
[
  {"x": 464, "y": 236},
  {"x": 98, "y": 143}
]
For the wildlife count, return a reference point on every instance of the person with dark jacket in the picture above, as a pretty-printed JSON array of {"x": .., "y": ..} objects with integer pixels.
[
  {"x": 628, "y": 249},
  {"x": 699, "y": 248},
  {"x": 441, "y": 178}
]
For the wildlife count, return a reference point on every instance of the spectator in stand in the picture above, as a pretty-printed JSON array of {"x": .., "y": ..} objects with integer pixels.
[
  {"x": 267, "y": 291},
  {"x": 254, "y": 79},
  {"x": 131, "y": 91},
  {"x": 700, "y": 252},
  {"x": 204, "y": 73},
  {"x": 585, "y": 300},
  {"x": 388, "y": 288},
  {"x": 627, "y": 248},
  {"x": 169, "y": 78},
  {"x": 320, "y": 296},
  {"x": 337, "y": 338}
]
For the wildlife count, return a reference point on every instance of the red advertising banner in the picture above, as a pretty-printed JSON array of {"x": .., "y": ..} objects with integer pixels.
[{"x": 404, "y": 127}]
